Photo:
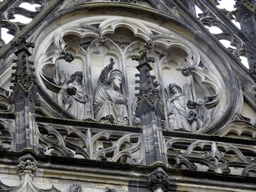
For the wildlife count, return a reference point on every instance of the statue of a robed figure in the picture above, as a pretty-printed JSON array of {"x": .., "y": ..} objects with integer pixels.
[
  {"x": 180, "y": 117},
  {"x": 73, "y": 96},
  {"x": 109, "y": 102}
]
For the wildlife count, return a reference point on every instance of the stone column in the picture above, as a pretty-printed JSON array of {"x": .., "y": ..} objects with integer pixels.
[
  {"x": 24, "y": 97},
  {"x": 150, "y": 110}
]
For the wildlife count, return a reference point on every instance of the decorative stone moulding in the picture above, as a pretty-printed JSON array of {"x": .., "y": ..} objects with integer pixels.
[
  {"x": 195, "y": 86},
  {"x": 100, "y": 145},
  {"x": 210, "y": 156}
]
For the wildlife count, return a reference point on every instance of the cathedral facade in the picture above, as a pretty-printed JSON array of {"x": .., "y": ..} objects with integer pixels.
[{"x": 127, "y": 96}]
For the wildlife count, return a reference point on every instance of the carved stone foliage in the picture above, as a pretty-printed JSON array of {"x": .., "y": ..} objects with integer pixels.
[
  {"x": 158, "y": 180},
  {"x": 149, "y": 99},
  {"x": 75, "y": 188},
  {"x": 92, "y": 45},
  {"x": 24, "y": 95},
  {"x": 93, "y": 144},
  {"x": 27, "y": 166},
  {"x": 9, "y": 12},
  {"x": 210, "y": 156},
  {"x": 24, "y": 77},
  {"x": 26, "y": 170}
]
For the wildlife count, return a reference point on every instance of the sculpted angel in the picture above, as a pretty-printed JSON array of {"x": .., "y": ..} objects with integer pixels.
[{"x": 110, "y": 103}]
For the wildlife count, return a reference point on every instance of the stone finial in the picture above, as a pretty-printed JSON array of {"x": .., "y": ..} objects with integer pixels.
[
  {"x": 248, "y": 4},
  {"x": 148, "y": 97},
  {"x": 142, "y": 58},
  {"x": 23, "y": 77},
  {"x": 22, "y": 45}
]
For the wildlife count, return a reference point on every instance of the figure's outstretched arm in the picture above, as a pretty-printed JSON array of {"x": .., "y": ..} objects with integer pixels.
[{"x": 104, "y": 73}]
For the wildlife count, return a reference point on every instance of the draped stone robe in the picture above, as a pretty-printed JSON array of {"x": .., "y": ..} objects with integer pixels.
[{"x": 106, "y": 101}]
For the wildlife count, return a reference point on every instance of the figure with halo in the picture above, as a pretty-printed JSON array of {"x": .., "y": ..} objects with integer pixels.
[{"x": 110, "y": 103}]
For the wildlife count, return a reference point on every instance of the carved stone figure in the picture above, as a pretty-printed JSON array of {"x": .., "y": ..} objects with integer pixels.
[
  {"x": 110, "y": 103},
  {"x": 26, "y": 166},
  {"x": 158, "y": 181},
  {"x": 74, "y": 98},
  {"x": 180, "y": 117}
]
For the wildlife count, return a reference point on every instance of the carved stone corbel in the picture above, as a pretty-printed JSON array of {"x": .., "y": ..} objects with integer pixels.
[
  {"x": 75, "y": 188},
  {"x": 158, "y": 180},
  {"x": 109, "y": 190},
  {"x": 27, "y": 167},
  {"x": 149, "y": 44},
  {"x": 187, "y": 71}
]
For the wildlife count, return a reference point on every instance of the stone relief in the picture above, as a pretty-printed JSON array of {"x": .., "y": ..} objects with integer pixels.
[
  {"x": 180, "y": 117},
  {"x": 74, "y": 98},
  {"x": 110, "y": 103},
  {"x": 102, "y": 91}
]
